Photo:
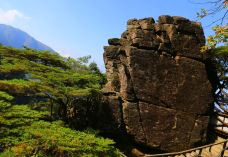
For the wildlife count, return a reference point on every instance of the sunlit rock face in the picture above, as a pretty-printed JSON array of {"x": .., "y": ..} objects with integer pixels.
[{"x": 157, "y": 85}]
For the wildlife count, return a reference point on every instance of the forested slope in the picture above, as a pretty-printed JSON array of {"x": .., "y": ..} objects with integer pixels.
[{"x": 39, "y": 92}]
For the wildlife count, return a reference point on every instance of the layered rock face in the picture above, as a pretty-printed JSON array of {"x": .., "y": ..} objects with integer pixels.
[{"x": 157, "y": 86}]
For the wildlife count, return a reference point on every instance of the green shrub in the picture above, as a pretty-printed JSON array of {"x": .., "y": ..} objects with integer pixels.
[{"x": 53, "y": 139}]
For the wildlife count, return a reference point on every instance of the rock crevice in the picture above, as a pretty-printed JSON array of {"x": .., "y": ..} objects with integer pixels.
[{"x": 158, "y": 72}]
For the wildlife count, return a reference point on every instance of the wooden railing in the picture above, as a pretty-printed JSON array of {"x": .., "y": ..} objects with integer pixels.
[
  {"x": 221, "y": 125},
  {"x": 198, "y": 151}
]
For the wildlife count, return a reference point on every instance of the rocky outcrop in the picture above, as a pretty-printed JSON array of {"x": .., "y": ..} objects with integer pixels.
[{"x": 157, "y": 88}]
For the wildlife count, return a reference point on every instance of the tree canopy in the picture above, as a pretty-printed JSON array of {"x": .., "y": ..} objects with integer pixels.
[
  {"x": 217, "y": 47},
  {"x": 38, "y": 89}
]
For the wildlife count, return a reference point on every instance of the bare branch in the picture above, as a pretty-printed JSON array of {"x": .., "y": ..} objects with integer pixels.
[
  {"x": 216, "y": 21},
  {"x": 208, "y": 2},
  {"x": 217, "y": 7},
  {"x": 224, "y": 17}
]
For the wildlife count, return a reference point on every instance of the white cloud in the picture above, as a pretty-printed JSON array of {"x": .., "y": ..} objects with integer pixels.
[{"x": 9, "y": 16}]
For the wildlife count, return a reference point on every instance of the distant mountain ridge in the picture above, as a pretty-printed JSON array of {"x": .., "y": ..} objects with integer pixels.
[{"x": 14, "y": 37}]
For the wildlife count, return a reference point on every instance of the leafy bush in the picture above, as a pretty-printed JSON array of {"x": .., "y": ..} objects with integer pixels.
[{"x": 53, "y": 139}]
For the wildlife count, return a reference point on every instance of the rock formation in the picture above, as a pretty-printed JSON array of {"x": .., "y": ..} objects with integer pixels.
[{"x": 157, "y": 88}]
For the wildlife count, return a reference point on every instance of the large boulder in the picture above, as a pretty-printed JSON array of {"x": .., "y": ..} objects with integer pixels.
[{"x": 157, "y": 84}]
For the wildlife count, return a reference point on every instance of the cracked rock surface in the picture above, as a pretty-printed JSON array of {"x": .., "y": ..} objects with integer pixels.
[{"x": 157, "y": 88}]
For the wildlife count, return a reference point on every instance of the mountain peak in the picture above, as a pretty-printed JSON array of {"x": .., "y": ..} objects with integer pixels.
[{"x": 14, "y": 37}]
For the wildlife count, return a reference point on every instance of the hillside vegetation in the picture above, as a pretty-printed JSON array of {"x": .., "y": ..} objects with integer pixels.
[{"x": 40, "y": 94}]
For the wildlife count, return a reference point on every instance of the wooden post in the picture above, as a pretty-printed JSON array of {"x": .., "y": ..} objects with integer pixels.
[
  {"x": 210, "y": 148},
  {"x": 223, "y": 122},
  {"x": 200, "y": 151},
  {"x": 223, "y": 149}
]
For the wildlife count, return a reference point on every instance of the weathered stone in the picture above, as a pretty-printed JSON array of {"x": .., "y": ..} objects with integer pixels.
[
  {"x": 187, "y": 45},
  {"x": 114, "y": 41},
  {"x": 126, "y": 90},
  {"x": 165, "y": 80},
  {"x": 166, "y": 128},
  {"x": 164, "y": 47},
  {"x": 199, "y": 32},
  {"x": 170, "y": 30},
  {"x": 159, "y": 28},
  {"x": 164, "y": 38},
  {"x": 199, "y": 131},
  {"x": 147, "y": 24},
  {"x": 136, "y": 33},
  {"x": 111, "y": 51},
  {"x": 124, "y": 34},
  {"x": 140, "y": 38},
  {"x": 132, "y": 120},
  {"x": 165, "y": 19},
  {"x": 133, "y": 24},
  {"x": 180, "y": 20},
  {"x": 162, "y": 92}
]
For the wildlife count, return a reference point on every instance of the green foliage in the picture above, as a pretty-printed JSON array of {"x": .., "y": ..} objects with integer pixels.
[
  {"x": 40, "y": 74},
  {"x": 220, "y": 27},
  {"x": 220, "y": 51},
  {"x": 37, "y": 88},
  {"x": 220, "y": 37},
  {"x": 84, "y": 60},
  {"x": 4, "y": 105},
  {"x": 53, "y": 139},
  {"x": 93, "y": 68},
  {"x": 5, "y": 96},
  {"x": 12, "y": 122},
  {"x": 27, "y": 135},
  {"x": 5, "y": 99},
  {"x": 203, "y": 13},
  {"x": 79, "y": 65}
]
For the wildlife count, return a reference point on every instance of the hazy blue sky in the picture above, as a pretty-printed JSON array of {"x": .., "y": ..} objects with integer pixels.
[{"x": 82, "y": 27}]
